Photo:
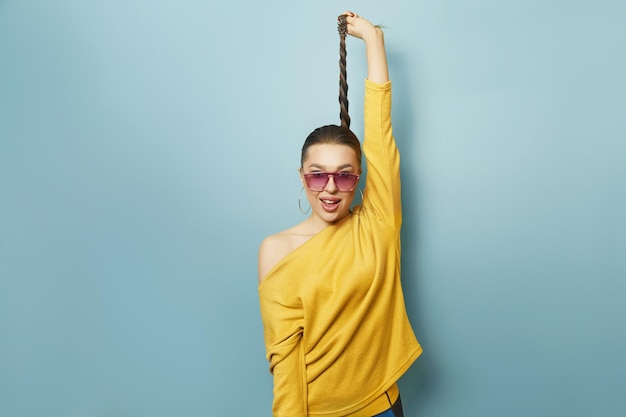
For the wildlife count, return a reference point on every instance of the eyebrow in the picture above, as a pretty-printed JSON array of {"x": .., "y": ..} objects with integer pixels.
[{"x": 339, "y": 168}]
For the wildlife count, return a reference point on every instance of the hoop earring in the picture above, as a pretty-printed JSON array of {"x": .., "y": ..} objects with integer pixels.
[
  {"x": 360, "y": 192},
  {"x": 300, "y": 204}
]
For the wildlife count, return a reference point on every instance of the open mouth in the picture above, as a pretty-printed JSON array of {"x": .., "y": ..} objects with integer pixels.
[{"x": 330, "y": 204}]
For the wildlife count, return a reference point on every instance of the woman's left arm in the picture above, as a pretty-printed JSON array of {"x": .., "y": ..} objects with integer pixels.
[
  {"x": 374, "y": 39},
  {"x": 382, "y": 192}
]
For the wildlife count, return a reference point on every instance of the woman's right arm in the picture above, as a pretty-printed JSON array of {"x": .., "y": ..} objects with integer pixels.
[{"x": 283, "y": 328}]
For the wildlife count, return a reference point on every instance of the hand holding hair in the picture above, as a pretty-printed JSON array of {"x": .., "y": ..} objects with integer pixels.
[{"x": 361, "y": 28}]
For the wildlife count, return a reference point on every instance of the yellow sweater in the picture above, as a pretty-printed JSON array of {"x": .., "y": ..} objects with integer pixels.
[{"x": 336, "y": 330}]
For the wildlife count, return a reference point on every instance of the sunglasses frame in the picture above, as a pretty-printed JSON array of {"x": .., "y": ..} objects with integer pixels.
[{"x": 328, "y": 175}]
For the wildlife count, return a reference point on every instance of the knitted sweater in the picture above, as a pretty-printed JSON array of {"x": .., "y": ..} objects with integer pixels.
[{"x": 336, "y": 330}]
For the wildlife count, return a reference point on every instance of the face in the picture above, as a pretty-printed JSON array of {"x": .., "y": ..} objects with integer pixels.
[{"x": 330, "y": 204}]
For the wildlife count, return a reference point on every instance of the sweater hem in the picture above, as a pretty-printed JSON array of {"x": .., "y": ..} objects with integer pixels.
[{"x": 347, "y": 411}]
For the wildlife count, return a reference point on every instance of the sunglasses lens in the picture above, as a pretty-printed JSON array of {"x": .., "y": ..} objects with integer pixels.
[
  {"x": 316, "y": 181},
  {"x": 345, "y": 182}
]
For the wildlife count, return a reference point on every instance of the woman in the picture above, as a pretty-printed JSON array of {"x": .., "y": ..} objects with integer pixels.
[{"x": 336, "y": 329}]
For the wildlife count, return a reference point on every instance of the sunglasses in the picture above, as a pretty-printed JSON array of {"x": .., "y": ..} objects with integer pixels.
[{"x": 344, "y": 181}]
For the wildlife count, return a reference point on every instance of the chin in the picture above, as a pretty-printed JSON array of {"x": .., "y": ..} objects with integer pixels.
[{"x": 332, "y": 217}]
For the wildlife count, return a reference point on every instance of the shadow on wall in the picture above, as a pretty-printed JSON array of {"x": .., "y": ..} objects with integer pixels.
[{"x": 420, "y": 381}]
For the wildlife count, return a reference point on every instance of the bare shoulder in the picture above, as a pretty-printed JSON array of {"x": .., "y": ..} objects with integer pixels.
[{"x": 275, "y": 247}]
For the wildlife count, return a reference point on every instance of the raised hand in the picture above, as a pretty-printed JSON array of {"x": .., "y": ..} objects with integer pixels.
[
  {"x": 359, "y": 27},
  {"x": 373, "y": 37}
]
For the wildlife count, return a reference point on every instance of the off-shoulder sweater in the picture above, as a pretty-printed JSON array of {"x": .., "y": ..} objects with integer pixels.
[{"x": 336, "y": 330}]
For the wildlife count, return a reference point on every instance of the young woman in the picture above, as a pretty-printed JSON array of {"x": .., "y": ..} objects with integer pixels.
[{"x": 336, "y": 329}]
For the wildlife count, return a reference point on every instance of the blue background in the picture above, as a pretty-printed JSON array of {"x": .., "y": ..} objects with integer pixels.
[{"x": 146, "y": 148}]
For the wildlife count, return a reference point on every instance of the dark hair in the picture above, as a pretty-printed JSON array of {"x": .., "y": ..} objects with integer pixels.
[{"x": 333, "y": 134}]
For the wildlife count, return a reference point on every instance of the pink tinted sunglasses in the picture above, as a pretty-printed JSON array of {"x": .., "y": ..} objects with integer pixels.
[{"x": 317, "y": 181}]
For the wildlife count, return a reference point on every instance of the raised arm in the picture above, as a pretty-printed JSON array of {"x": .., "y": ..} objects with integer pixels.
[
  {"x": 382, "y": 192},
  {"x": 374, "y": 39}
]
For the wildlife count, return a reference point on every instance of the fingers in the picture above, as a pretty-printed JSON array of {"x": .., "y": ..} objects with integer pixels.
[
  {"x": 347, "y": 21},
  {"x": 350, "y": 19},
  {"x": 350, "y": 15},
  {"x": 356, "y": 25}
]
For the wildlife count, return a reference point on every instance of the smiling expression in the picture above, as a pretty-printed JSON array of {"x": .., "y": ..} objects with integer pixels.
[{"x": 330, "y": 204}]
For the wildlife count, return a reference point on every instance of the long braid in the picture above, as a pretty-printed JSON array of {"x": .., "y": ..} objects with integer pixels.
[
  {"x": 343, "y": 74},
  {"x": 333, "y": 134}
]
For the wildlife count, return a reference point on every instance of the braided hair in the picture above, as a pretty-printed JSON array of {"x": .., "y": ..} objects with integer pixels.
[
  {"x": 342, "y": 27},
  {"x": 333, "y": 134}
]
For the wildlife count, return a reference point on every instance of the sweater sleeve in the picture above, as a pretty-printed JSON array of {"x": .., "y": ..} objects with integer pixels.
[
  {"x": 290, "y": 387},
  {"x": 283, "y": 328},
  {"x": 382, "y": 191}
]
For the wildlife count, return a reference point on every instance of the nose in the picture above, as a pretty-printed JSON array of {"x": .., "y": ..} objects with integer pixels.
[{"x": 331, "y": 187}]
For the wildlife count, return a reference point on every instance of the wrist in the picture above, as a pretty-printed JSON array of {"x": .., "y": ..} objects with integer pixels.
[{"x": 374, "y": 36}]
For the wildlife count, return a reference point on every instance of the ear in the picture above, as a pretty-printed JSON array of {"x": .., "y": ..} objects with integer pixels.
[{"x": 301, "y": 177}]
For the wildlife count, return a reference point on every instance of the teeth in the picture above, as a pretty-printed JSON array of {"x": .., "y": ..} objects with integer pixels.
[{"x": 330, "y": 201}]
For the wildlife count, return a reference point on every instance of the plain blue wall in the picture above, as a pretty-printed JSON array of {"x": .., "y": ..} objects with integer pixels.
[{"x": 146, "y": 148}]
